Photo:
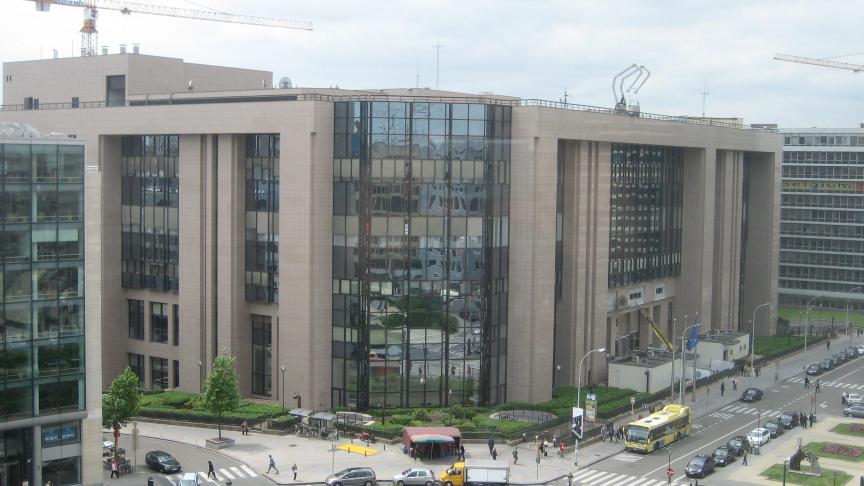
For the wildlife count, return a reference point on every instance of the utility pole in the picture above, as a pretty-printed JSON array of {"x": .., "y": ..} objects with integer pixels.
[
  {"x": 704, "y": 94},
  {"x": 438, "y": 47}
]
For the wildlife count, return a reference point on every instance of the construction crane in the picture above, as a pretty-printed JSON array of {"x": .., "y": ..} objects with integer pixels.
[
  {"x": 90, "y": 36},
  {"x": 857, "y": 68}
]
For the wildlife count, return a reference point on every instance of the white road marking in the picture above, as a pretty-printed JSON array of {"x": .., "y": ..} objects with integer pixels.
[
  {"x": 238, "y": 472},
  {"x": 596, "y": 479},
  {"x": 249, "y": 471},
  {"x": 226, "y": 474},
  {"x": 204, "y": 475}
]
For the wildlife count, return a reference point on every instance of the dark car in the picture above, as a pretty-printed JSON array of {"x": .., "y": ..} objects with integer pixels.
[
  {"x": 814, "y": 369},
  {"x": 856, "y": 411},
  {"x": 827, "y": 364},
  {"x": 851, "y": 352},
  {"x": 162, "y": 461},
  {"x": 738, "y": 445},
  {"x": 838, "y": 358},
  {"x": 700, "y": 466},
  {"x": 751, "y": 395},
  {"x": 790, "y": 419},
  {"x": 775, "y": 427},
  {"x": 723, "y": 456}
]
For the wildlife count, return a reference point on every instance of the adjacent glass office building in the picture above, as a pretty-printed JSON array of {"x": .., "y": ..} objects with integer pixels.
[
  {"x": 420, "y": 252},
  {"x": 822, "y": 218},
  {"x": 41, "y": 310}
]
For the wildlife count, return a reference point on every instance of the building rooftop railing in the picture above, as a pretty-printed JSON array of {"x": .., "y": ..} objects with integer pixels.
[{"x": 278, "y": 95}]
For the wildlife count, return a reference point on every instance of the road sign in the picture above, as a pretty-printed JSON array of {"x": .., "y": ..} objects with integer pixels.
[
  {"x": 632, "y": 400},
  {"x": 591, "y": 407},
  {"x": 670, "y": 472}
]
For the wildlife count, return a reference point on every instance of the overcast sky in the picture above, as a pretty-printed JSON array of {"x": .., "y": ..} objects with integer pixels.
[{"x": 530, "y": 49}]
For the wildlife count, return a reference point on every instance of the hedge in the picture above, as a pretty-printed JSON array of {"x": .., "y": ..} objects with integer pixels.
[{"x": 184, "y": 406}]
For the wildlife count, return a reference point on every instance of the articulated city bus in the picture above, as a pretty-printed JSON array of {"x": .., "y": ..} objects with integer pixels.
[{"x": 658, "y": 429}]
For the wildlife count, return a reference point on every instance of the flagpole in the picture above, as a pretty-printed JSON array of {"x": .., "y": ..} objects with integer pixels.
[{"x": 695, "y": 347}]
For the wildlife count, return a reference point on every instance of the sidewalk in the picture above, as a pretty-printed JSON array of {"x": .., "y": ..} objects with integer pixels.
[{"x": 316, "y": 459}]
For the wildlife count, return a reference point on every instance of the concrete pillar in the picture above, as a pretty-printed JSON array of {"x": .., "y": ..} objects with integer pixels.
[
  {"x": 36, "y": 466},
  {"x": 697, "y": 252},
  {"x": 729, "y": 177}
]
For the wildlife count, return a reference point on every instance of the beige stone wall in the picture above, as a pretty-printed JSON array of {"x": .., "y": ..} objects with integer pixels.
[{"x": 728, "y": 190}]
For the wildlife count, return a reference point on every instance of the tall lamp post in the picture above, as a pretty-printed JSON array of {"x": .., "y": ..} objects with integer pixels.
[
  {"x": 669, "y": 466},
  {"x": 579, "y": 395},
  {"x": 683, "y": 356},
  {"x": 753, "y": 332},
  {"x": 672, "y": 381},
  {"x": 282, "y": 369},
  {"x": 807, "y": 319},
  {"x": 847, "y": 310}
]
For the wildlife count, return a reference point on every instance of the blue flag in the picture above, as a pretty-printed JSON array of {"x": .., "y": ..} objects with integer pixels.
[{"x": 693, "y": 340}]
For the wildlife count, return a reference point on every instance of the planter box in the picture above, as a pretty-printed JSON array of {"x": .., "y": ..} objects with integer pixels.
[{"x": 216, "y": 443}]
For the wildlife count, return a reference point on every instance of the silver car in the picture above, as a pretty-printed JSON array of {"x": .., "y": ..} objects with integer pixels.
[
  {"x": 415, "y": 477},
  {"x": 353, "y": 476}
]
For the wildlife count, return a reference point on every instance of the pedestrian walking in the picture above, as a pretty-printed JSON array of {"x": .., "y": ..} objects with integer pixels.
[
  {"x": 244, "y": 428},
  {"x": 114, "y": 471},
  {"x": 561, "y": 448},
  {"x": 722, "y": 388},
  {"x": 817, "y": 385},
  {"x": 272, "y": 465},
  {"x": 806, "y": 382},
  {"x": 603, "y": 431},
  {"x": 734, "y": 384},
  {"x": 707, "y": 390},
  {"x": 745, "y": 458},
  {"x": 294, "y": 470},
  {"x": 611, "y": 432},
  {"x": 843, "y": 398},
  {"x": 494, "y": 454},
  {"x": 491, "y": 444},
  {"x": 462, "y": 452},
  {"x": 812, "y": 420},
  {"x": 515, "y": 456},
  {"x": 758, "y": 370},
  {"x": 210, "y": 470},
  {"x": 828, "y": 345}
]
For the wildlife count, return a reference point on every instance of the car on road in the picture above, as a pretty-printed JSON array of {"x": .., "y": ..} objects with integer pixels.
[
  {"x": 856, "y": 411},
  {"x": 860, "y": 349},
  {"x": 854, "y": 399},
  {"x": 699, "y": 466},
  {"x": 751, "y": 395},
  {"x": 852, "y": 352},
  {"x": 790, "y": 419},
  {"x": 827, "y": 364},
  {"x": 838, "y": 359},
  {"x": 775, "y": 427},
  {"x": 738, "y": 445},
  {"x": 353, "y": 476},
  {"x": 759, "y": 437},
  {"x": 723, "y": 456},
  {"x": 189, "y": 479},
  {"x": 415, "y": 477},
  {"x": 814, "y": 369},
  {"x": 162, "y": 461}
]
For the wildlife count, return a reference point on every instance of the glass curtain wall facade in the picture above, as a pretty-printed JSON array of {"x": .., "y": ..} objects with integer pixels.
[
  {"x": 41, "y": 292},
  {"x": 150, "y": 195},
  {"x": 262, "y": 218},
  {"x": 420, "y": 253},
  {"x": 822, "y": 219},
  {"x": 262, "y": 332},
  {"x": 647, "y": 197}
]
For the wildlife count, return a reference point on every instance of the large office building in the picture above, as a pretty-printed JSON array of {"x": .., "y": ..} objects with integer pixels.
[
  {"x": 399, "y": 247},
  {"x": 49, "y": 400},
  {"x": 822, "y": 218}
]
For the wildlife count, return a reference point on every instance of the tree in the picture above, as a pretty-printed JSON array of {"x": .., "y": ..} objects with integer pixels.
[
  {"x": 221, "y": 393},
  {"x": 121, "y": 402}
]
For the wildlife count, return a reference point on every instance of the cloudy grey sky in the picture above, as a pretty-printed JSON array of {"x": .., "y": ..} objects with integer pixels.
[{"x": 531, "y": 49}]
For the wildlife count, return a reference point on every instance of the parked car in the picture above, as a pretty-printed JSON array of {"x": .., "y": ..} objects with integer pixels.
[
  {"x": 790, "y": 419},
  {"x": 851, "y": 353},
  {"x": 854, "y": 399},
  {"x": 738, "y": 445},
  {"x": 723, "y": 456},
  {"x": 856, "y": 411},
  {"x": 699, "y": 466},
  {"x": 814, "y": 369},
  {"x": 827, "y": 364},
  {"x": 860, "y": 349},
  {"x": 775, "y": 428},
  {"x": 415, "y": 477},
  {"x": 162, "y": 461},
  {"x": 353, "y": 476},
  {"x": 759, "y": 437},
  {"x": 189, "y": 479},
  {"x": 838, "y": 359},
  {"x": 751, "y": 395}
]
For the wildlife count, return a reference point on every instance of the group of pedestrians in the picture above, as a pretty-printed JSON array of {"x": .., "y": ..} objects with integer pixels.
[
  {"x": 611, "y": 433},
  {"x": 271, "y": 465},
  {"x": 807, "y": 384}
]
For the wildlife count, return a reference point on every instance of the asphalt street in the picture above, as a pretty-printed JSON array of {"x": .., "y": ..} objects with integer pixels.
[
  {"x": 715, "y": 428},
  {"x": 192, "y": 459}
]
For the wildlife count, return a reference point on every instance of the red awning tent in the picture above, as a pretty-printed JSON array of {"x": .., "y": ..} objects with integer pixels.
[{"x": 430, "y": 435}]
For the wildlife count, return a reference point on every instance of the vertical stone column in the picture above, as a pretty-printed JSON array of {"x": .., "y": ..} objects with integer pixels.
[
  {"x": 235, "y": 331},
  {"x": 697, "y": 252},
  {"x": 727, "y": 238},
  {"x": 305, "y": 252},
  {"x": 761, "y": 250}
]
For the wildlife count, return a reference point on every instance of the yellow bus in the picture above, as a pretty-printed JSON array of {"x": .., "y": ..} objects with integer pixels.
[{"x": 658, "y": 429}]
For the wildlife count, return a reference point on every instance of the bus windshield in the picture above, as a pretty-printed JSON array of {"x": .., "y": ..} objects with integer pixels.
[{"x": 637, "y": 434}]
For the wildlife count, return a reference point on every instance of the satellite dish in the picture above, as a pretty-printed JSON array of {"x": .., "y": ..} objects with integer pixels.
[{"x": 285, "y": 83}]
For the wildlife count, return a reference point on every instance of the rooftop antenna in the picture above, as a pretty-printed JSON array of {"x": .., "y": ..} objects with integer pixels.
[
  {"x": 705, "y": 94},
  {"x": 417, "y": 85},
  {"x": 565, "y": 96},
  {"x": 437, "y": 47}
]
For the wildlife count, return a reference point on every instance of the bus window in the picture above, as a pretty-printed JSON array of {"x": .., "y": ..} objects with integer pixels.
[{"x": 637, "y": 434}]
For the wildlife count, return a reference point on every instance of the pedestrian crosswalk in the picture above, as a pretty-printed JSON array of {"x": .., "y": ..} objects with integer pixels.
[
  {"x": 222, "y": 474},
  {"x": 832, "y": 384},
  {"x": 736, "y": 409},
  {"x": 628, "y": 457},
  {"x": 593, "y": 477},
  {"x": 721, "y": 415}
]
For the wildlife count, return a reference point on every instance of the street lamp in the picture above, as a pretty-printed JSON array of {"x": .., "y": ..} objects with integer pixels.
[
  {"x": 683, "y": 368},
  {"x": 847, "y": 310},
  {"x": 282, "y": 369},
  {"x": 785, "y": 461},
  {"x": 669, "y": 466},
  {"x": 579, "y": 394},
  {"x": 200, "y": 377},
  {"x": 647, "y": 383},
  {"x": 753, "y": 332},
  {"x": 807, "y": 319}
]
